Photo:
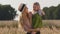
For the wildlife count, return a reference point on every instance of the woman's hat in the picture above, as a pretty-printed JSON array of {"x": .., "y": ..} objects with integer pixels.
[{"x": 21, "y": 7}]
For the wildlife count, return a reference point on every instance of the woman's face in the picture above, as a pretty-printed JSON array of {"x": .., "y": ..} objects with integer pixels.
[{"x": 25, "y": 9}]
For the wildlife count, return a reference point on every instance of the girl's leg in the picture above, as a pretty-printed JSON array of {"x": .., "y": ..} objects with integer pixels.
[
  {"x": 38, "y": 32},
  {"x": 28, "y": 32}
]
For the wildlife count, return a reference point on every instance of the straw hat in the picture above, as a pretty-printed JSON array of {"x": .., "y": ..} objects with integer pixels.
[{"x": 21, "y": 7}]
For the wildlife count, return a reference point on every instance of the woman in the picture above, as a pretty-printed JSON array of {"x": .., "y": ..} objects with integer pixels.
[{"x": 25, "y": 19}]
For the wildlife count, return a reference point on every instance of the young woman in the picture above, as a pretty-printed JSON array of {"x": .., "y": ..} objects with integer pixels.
[
  {"x": 36, "y": 17},
  {"x": 25, "y": 19}
]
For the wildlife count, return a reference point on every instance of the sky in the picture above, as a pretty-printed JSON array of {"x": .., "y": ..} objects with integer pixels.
[{"x": 29, "y": 3}]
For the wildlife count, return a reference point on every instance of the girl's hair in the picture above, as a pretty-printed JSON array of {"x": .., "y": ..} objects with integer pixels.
[{"x": 36, "y": 3}]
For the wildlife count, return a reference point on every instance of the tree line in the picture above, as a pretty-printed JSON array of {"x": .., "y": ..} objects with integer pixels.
[
  {"x": 52, "y": 13},
  {"x": 7, "y": 12}
]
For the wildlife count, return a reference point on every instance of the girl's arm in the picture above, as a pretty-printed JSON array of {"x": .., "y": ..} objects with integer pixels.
[{"x": 43, "y": 13}]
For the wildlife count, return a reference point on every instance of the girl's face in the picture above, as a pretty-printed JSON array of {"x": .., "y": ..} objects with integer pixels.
[{"x": 36, "y": 7}]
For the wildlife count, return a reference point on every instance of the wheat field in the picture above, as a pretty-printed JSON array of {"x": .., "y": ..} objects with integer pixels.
[{"x": 11, "y": 27}]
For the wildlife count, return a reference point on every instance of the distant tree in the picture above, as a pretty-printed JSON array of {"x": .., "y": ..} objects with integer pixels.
[
  {"x": 52, "y": 12},
  {"x": 7, "y": 12},
  {"x": 57, "y": 12}
]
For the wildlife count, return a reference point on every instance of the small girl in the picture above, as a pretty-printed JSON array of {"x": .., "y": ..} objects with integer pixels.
[{"x": 37, "y": 16}]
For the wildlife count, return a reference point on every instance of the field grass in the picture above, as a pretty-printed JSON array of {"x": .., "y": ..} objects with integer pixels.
[{"x": 11, "y": 27}]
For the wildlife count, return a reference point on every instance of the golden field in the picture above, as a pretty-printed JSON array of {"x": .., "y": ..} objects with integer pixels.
[{"x": 11, "y": 27}]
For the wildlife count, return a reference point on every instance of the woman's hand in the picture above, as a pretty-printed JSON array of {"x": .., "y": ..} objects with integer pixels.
[
  {"x": 38, "y": 29},
  {"x": 33, "y": 33}
]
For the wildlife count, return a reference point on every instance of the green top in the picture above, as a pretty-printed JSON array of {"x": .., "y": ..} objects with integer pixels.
[{"x": 36, "y": 21}]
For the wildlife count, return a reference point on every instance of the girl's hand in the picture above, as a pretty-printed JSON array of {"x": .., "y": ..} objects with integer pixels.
[{"x": 43, "y": 13}]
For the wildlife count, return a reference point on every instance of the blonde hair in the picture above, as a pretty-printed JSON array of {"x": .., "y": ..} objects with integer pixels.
[{"x": 23, "y": 15}]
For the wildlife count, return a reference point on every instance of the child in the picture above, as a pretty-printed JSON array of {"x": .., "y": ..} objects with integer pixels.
[
  {"x": 36, "y": 18},
  {"x": 25, "y": 19}
]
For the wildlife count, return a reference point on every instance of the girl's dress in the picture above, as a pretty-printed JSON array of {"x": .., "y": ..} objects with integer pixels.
[{"x": 37, "y": 20}]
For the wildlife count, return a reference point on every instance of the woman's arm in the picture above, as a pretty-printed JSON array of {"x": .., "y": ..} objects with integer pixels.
[
  {"x": 31, "y": 30},
  {"x": 30, "y": 17}
]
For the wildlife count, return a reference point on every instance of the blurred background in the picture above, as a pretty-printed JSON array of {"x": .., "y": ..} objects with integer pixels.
[
  {"x": 51, "y": 8},
  {"x": 9, "y": 16}
]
